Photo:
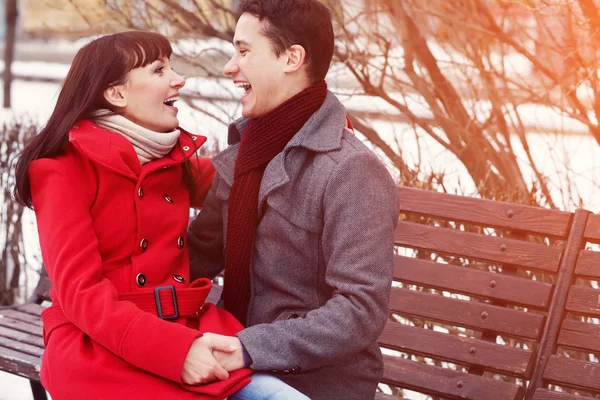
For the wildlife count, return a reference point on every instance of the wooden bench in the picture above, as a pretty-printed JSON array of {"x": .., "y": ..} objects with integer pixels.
[
  {"x": 491, "y": 301},
  {"x": 21, "y": 342}
]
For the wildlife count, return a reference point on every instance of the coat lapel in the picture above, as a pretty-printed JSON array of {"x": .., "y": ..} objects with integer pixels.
[
  {"x": 224, "y": 164},
  {"x": 106, "y": 148},
  {"x": 275, "y": 176}
]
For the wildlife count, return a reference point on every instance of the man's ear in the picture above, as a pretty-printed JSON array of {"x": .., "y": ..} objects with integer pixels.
[
  {"x": 295, "y": 57},
  {"x": 115, "y": 95}
]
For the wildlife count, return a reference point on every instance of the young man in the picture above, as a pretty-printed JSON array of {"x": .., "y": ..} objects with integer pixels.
[{"x": 301, "y": 214}]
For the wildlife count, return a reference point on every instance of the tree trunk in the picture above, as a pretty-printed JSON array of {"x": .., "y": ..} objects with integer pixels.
[{"x": 9, "y": 50}]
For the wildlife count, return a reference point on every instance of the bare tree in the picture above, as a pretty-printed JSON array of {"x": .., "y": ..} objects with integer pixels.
[
  {"x": 13, "y": 137},
  {"x": 478, "y": 67}
]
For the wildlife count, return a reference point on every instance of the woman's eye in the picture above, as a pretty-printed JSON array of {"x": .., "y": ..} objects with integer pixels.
[
  {"x": 159, "y": 70},
  {"x": 243, "y": 52}
]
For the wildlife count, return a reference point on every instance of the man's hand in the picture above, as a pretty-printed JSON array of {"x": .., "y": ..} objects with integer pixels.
[
  {"x": 200, "y": 365},
  {"x": 230, "y": 360}
]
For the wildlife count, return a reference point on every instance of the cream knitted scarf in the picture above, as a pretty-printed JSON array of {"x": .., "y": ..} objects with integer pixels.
[{"x": 149, "y": 145}]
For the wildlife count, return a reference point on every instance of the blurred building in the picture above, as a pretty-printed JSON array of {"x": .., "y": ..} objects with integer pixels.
[
  {"x": 76, "y": 18},
  {"x": 44, "y": 18}
]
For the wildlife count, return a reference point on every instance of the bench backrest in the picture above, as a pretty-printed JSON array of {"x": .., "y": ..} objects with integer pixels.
[{"x": 476, "y": 306}]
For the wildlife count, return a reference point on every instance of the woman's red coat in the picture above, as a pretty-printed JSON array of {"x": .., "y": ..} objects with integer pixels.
[{"x": 94, "y": 206}]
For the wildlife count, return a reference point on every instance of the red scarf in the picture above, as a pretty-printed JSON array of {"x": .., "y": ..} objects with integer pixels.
[{"x": 262, "y": 140}]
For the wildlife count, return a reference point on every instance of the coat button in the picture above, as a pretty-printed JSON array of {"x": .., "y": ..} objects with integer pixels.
[
  {"x": 168, "y": 198},
  {"x": 180, "y": 242},
  {"x": 179, "y": 278},
  {"x": 141, "y": 280},
  {"x": 144, "y": 244},
  {"x": 194, "y": 138},
  {"x": 186, "y": 148},
  {"x": 296, "y": 370},
  {"x": 140, "y": 192}
]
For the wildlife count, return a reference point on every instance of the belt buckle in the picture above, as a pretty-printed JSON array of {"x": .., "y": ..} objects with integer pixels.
[{"x": 159, "y": 306}]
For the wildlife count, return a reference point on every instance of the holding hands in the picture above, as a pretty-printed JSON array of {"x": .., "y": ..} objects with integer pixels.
[
  {"x": 229, "y": 360},
  {"x": 211, "y": 357}
]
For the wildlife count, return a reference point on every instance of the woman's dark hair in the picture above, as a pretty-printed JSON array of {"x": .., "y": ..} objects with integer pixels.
[
  {"x": 98, "y": 65},
  {"x": 303, "y": 22}
]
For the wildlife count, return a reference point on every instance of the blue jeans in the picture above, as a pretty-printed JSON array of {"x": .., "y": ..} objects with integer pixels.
[{"x": 267, "y": 387}]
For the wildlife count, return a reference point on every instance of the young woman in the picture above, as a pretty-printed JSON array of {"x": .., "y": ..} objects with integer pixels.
[{"x": 111, "y": 178}]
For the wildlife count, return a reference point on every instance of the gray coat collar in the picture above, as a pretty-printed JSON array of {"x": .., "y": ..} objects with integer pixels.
[{"x": 321, "y": 133}]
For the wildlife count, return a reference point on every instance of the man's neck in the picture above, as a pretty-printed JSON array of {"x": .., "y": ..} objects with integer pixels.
[{"x": 293, "y": 86}]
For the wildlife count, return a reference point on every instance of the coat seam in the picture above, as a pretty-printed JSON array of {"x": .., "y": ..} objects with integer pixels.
[{"x": 126, "y": 335}]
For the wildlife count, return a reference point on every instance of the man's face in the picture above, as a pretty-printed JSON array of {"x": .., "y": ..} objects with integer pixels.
[{"x": 255, "y": 68}]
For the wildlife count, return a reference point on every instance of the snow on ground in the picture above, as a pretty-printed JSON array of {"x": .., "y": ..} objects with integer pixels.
[
  {"x": 14, "y": 387},
  {"x": 38, "y": 69}
]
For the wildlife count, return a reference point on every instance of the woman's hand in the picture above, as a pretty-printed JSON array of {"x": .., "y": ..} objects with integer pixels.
[
  {"x": 230, "y": 360},
  {"x": 200, "y": 365}
]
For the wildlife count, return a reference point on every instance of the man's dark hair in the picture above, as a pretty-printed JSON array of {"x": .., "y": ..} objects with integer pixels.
[{"x": 303, "y": 22}]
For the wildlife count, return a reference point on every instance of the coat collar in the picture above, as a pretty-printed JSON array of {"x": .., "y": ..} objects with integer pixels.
[
  {"x": 321, "y": 133},
  {"x": 116, "y": 153}
]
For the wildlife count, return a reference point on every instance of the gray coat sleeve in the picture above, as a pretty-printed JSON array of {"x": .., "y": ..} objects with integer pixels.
[
  {"x": 205, "y": 238},
  {"x": 361, "y": 209}
]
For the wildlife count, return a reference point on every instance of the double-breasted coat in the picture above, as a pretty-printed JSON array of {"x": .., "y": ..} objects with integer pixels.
[
  {"x": 322, "y": 262},
  {"x": 111, "y": 232}
]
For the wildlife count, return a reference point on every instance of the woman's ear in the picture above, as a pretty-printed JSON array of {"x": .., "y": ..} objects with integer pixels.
[
  {"x": 295, "y": 57},
  {"x": 115, "y": 95}
]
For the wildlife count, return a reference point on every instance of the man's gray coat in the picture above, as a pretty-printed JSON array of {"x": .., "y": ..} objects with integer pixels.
[{"x": 322, "y": 263}]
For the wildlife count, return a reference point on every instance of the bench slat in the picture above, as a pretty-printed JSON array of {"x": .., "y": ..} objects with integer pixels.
[
  {"x": 584, "y": 300},
  {"x": 438, "y": 381},
  {"x": 484, "y": 212},
  {"x": 472, "y": 282},
  {"x": 456, "y": 349},
  {"x": 18, "y": 315},
  {"x": 580, "y": 335},
  {"x": 19, "y": 363},
  {"x": 21, "y": 347},
  {"x": 587, "y": 264},
  {"x": 21, "y": 326},
  {"x": 544, "y": 394},
  {"x": 34, "y": 340},
  {"x": 477, "y": 246},
  {"x": 592, "y": 228},
  {"x": 468, "y": 314},
  {"x": 570, "y": 372},
  {"x": 33, "y": 309}
]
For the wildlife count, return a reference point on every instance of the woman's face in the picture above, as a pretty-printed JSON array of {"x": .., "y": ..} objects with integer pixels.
[{"x": 150, "y": 92}]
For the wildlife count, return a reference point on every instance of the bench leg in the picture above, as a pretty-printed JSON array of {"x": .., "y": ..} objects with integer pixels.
[{"x": 39, "y": 393}]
